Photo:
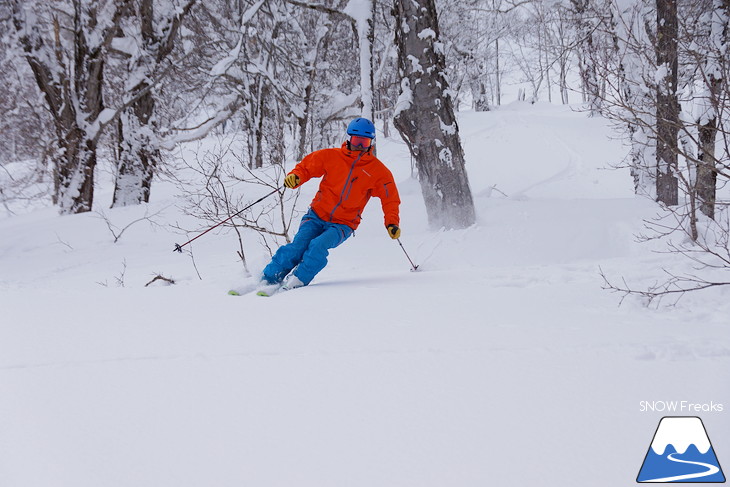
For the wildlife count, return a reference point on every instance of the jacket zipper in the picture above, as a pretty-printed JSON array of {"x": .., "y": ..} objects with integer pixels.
[
  {"x": 352, "y": 183},
  {"x": 347, "y": 181}
]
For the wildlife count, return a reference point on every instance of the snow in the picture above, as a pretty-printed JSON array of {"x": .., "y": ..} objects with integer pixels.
[
  {"x": 227, "y": 105},
  {"x": 249, "y": 14},
  {"x": 128, "y": 45},
  {"x": 427, "y": 34},
  {"x": 104, "y": 117},
  {"x": 446, "y": 157},
  {"x": 339, "y": 102},
  {"x": 501, "y": 361},
  {"x": 361, "y": 11},
  {"x": 447, "y": 129},
  {"x": 222, "y": 66},
  {"x": 405, "y": 98},
  {"x": 415, "y": 64}
]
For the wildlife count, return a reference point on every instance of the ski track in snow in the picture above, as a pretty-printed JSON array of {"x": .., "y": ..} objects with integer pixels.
[{"x": 571, "y": 167}]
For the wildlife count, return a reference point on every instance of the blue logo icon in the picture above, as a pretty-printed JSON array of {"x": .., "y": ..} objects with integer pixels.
[{"x": 681, "y": 452}]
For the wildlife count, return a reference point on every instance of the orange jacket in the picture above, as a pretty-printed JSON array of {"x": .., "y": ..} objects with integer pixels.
[{"x": 349, "y": 179}]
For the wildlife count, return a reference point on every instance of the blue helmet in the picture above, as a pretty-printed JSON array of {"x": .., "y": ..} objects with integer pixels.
[{"x": 362, "y": 127}]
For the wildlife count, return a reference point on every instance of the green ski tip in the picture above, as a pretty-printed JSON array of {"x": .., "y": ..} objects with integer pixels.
[
  {"x": 264, "y": 294},
  {"x": 233, "y": 292}
]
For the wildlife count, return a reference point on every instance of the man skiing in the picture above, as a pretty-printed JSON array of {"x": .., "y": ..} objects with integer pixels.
[{"x": 350, "y": 176}]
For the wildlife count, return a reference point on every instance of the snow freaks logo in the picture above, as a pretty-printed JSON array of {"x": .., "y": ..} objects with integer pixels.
[
  {"x": 681, "y": 407},
  {"x": 681, "y": 452}
]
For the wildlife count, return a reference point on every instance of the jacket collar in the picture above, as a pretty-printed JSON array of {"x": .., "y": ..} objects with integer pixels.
[{"x": 356, "y": 154}]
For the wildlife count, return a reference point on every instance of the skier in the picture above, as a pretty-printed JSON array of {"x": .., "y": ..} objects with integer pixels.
[{"x": 350, "y": 176}]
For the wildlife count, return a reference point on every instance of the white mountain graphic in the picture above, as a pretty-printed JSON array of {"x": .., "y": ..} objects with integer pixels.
[{"x": 681, "y": 432}]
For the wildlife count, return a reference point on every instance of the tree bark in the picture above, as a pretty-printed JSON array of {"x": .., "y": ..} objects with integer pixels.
[
  {"x": 425, "y": 116},
  {"x": 138, "y": 145},
  {"x": 706, "y": 182},
  {"x": 667, "y": 105},
  {"x": 587, "y": 55},
  {"x": 367, "y": 81},
  {"x": 138, "y": 151},
  {"x": 497, "y": 75},
  {"x": 73, "y": 95}
]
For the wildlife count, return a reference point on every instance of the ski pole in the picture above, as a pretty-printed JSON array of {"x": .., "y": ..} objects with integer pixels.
[
  {"x": 179, "y": 247},
  {"x": 413, "y": 266}
]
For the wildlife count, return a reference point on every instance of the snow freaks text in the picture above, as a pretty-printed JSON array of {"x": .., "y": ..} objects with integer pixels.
[{"x": 680, "y": 407}]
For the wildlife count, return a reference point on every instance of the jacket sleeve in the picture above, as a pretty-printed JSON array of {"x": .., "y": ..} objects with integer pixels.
[
  {"x": 387, "y": 191},
  {"x": 312, "y": 166}
]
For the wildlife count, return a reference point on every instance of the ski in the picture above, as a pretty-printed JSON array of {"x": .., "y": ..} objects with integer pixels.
[
  {"x": 268, "y": 290},
  {"x": 265, "y": 290},
  {"x": 243, "y": 290},
  {"x": 261, "y": 292}
]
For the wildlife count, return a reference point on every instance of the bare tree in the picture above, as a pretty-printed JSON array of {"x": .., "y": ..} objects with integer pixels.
[
  {"x": 425, "y": 116},
  {"x": 586, "y": 19},
  {"x": 361, "y": 14},
  {"x": 669, "y": 65},
  {"x": 149, "y": 39},
  {"x": 711, "y": 63},
  {"x": 222, "y": 184},
  {"x": 67, "y": 53},
  {"x": 27, "y": 140}
]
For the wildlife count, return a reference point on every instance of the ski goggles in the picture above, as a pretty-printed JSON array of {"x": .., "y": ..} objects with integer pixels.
[{"x": 359, "y": 142}]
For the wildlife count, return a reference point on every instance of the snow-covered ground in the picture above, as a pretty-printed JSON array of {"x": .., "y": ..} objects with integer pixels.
[{"x": 501, "y": 361}]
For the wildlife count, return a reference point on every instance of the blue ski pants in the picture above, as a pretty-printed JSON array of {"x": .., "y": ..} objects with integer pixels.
[{"x": 308, "y": 251}]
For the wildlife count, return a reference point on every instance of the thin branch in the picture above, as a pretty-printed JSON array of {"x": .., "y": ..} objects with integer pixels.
[
  {"x": 117, "y": 233},
  {"x": 160, "y": 277}
]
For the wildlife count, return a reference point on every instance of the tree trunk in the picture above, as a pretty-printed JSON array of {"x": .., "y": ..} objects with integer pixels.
[
  {"x": 73, "y": 96},
  {"x": 73, "y": 171},
  {"x": 587, "y": 56},
  {"x": 706, "y": 182},
  {"x": 303, "y": 121},
  {"x": 564, "y": 96},
  {"x": 425, "y": 116},
  {"x": 138, "y": 152},
  {"x": 368, "y": 91},
  {"x": 497, "y": 76},
  {"x": 667, "y": 108},
  {"x": 481, "y": 100},
  {"x": 313, "y": 57},
  {"x": 138, "y": 146}
]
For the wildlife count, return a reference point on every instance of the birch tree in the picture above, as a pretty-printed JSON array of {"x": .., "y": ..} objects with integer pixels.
[{"x": 425, "y": 116}]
